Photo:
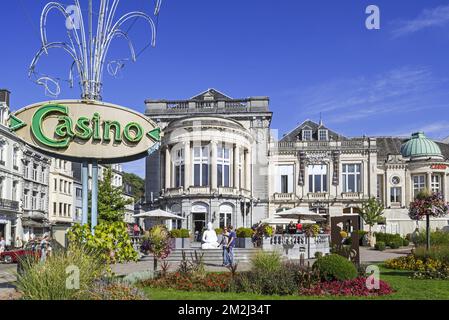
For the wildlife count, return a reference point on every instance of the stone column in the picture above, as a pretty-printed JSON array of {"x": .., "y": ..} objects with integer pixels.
[
  {"x": 248, "y": 169},
  {"x": 236, "y": 166},
  {"x": 213, "y": 171},
  {"x": 429, "y": 181},
  {"x": 187, "y": 165},
  {"x": 167, "y": 168}
]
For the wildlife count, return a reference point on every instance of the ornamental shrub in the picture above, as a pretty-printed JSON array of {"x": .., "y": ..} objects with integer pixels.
[
  {"x": 380, "y": 245},
  {"x": 266, "y": 261},
  {"x": 388, "y": 237},
  {"x": 218, "y": 230},
  {"x": 335, "y": 267},
  {"x": 244, "y": 233},
  {"x": 111, "y": 240},
  {"x": 395, "y": 244},
  {"x": 437, "y": 238},
  {"x": 405, "y": 242},
  {"x": 180, "y": 233}
]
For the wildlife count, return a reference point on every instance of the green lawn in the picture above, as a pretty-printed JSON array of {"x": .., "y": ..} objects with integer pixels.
[{"x": 407, "y": 289}]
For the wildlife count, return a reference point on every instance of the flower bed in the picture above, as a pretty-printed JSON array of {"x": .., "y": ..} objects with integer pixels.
[
  {"x": 432, "y": 264},
  {"x": 356, "y": 287},
  {"x": 215, "y": 282}
]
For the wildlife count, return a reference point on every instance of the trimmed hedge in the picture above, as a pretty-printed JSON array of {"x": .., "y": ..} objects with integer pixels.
[
  {"x": 244, "y": 233},
  {"x": 335, "y": 267},
  {"x": 180, "y": 233},
  {"x": 380, "y": 246}
]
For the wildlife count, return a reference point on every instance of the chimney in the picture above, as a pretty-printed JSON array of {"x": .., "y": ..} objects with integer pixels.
[{"x": 4, "y": 96}]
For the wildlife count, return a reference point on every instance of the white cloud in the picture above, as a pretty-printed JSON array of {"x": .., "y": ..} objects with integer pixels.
[
  {"x": 396, "y": 91},
  {"x": 436, "y": 17}
]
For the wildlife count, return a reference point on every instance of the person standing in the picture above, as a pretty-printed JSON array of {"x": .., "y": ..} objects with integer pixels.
[
  {"x": 18, "y": 243},
  {"x": 224, "y": 244},
  {"x": 2, "y": 245},
  {"x": 299, "y": 227},
  {"x": 231, "y": 245},
  {"x": 44, "y": 247}
]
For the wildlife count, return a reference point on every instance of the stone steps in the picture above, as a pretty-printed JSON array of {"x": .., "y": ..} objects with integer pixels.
[{"x": 214, "y": 256}]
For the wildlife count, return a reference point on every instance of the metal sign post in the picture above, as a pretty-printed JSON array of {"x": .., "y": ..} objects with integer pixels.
[{"x": 88, "y": 50}]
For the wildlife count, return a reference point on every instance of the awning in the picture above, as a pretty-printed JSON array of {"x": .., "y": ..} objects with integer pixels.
[
  {"x": 298, "y": 213},
  {"x": 159, "y": 214}
]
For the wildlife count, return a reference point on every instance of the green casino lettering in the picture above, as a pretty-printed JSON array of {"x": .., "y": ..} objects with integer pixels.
[{"x": 83, "y": 128}]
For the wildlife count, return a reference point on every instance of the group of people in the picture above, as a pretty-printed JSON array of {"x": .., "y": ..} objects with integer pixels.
[
  {"x": 228, "y": 241},
  {"x": 294, "y": 228},
  {"x": 2, "y": 245}
]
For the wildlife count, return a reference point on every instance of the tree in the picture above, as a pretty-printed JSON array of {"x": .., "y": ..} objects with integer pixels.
[
  {"x": 137, "y": 184},
  {"x": 371, "y": 212},
  {"x": 428, "y": 205},
  {"x": 111, "y": 203}
]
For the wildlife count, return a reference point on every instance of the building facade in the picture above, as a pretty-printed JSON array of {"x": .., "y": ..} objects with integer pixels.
[
  {"x": 62, "y": 198},
  {"x": 220, "y": 162},
  {"x": 11, "y": 175}
]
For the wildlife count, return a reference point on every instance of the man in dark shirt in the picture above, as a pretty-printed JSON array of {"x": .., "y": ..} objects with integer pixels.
[{"x": 231, "y": 245}]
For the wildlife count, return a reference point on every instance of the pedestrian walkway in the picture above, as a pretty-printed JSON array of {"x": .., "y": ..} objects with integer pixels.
[{"x": 369, "y": 255}]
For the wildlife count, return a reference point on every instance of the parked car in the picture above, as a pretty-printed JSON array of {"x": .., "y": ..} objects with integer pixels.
[{"x": 13, "y": 256}]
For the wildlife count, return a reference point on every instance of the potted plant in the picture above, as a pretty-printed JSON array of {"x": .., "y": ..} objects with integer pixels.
[
  {"x": 245, "y": 238},
  {"x": 181, "y": 238}
]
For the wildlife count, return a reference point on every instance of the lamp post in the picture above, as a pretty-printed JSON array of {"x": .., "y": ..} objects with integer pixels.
[{"x": 88, "y": 50}]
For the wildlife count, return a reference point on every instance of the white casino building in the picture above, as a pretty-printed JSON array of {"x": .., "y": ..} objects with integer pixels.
[{"x": 220, "y": 162}]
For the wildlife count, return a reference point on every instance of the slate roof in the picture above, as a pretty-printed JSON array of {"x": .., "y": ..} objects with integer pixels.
[
  {"x": 392, "y": 146},
  {"x": 310, "y": 125}
]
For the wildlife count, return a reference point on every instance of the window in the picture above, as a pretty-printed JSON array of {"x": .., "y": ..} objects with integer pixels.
[
  {"x": 306, "y": 135},
  {"x": 1, "y": 187},
  {"x": 223, "y": 166},
  {"x": 56, "y": 184},
  {"x": 395, "y": 180},
  {"x": 26, "y": 199},
  {"x": 79, "y": 193},
  {"x": 60, "y": 209},
  {"x": 284, "y": 183},
  {"x": 69, "y": 209},
  {"x": 15, "y": 185},
  {"x": 42, "y": 202},
  {"x": 317, "y": 178},
  {"x": 352, "y": 179},
  {"x": 323, "y": 135},
  {"x": 27, "y": 170},
  {"x": 419, "y": 184},
  {"x": 2, "y": 153},
  {"x": 34, "y": 201},
  {"x": 380, "y": 180},
  {"x": 35, "y": 168},
  {"x": 15, "y": 159},
  {"x": 61, "y": 185},
  {"x": 54, "y": 208},
  {"x": 70, "y": 188},
  {"x": 395, "y": 194},
  {"x": 436, "y": 183},
  {"x": 43, "y": 175},
  {"x": 200, "y": 166},
  {"x": 178, "y": 161}
]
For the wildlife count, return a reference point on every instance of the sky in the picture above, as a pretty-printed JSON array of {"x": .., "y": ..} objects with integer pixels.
[{"x": 310, "y": 57}]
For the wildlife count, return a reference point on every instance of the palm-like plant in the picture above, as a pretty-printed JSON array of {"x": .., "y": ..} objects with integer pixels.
[
  {"x": 371, "y": 212},
  {"x": 88, "y": 48}
]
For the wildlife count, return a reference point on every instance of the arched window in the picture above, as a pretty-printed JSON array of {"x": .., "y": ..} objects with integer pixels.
[{"x": 226, "y": 211}]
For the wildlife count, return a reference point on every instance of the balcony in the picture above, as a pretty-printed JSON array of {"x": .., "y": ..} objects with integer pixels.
[
  {"x": 317, "y": 195},
  {"x": 227, "y": 191},
  {"x": 9, "y": 205},
  {"x": 352, "y": 195},
  {"x": 283, "y": 197},
  {"x": 199, "y": 190}
]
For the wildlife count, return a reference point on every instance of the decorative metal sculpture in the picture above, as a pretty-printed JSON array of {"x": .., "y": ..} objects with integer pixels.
[{"x": 87, "y": 51}]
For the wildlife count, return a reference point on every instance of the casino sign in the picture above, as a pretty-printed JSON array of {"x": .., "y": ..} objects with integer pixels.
[{"x": 80, "y": 130}]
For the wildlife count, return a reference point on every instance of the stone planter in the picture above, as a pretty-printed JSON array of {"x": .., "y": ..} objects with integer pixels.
[
  {"x": 182, "y": 243},
  {"x": 245, "y": 243}
]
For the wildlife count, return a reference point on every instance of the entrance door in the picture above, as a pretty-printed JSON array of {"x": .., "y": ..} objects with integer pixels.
[
  {"x": 2, "y": 230},
  {"x": 199, "y": 222}
]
